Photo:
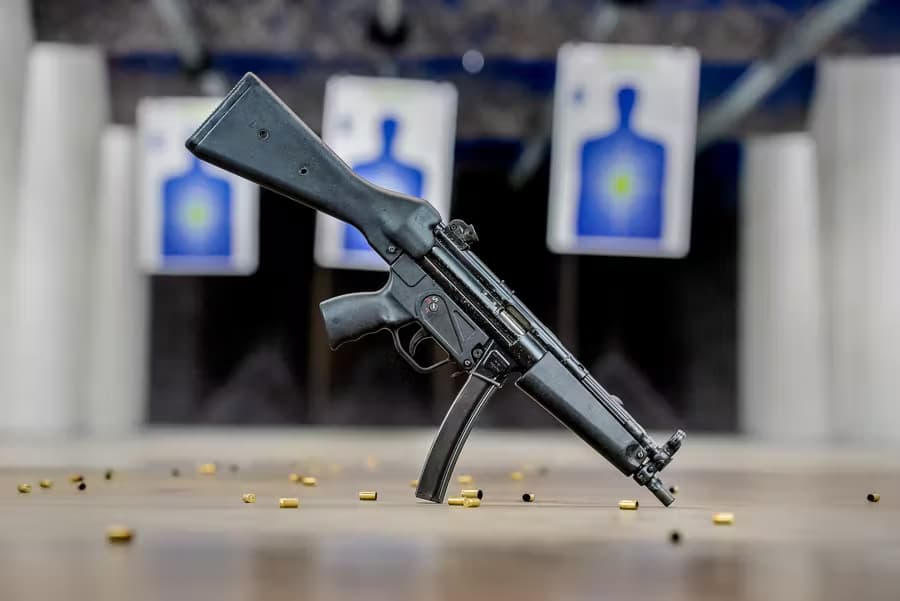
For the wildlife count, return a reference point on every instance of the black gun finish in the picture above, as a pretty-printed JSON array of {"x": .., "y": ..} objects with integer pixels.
[
  {"x": 436, "y": 283},
  {"x": 272, "y": 147},
  {"x": 454, "y": 430}
]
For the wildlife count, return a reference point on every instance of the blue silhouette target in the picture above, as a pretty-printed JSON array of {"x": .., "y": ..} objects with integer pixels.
[
  {"x": 196, "y": 221},
  {"x": 388, "y": 172},
  {"x": 622, "y": 177}
]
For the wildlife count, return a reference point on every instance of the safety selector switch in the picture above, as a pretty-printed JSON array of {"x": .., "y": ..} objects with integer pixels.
[{"x": 431, "y": 304}]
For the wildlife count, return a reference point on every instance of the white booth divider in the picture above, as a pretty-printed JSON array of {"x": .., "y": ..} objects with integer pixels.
[
  {"x": 66, "y": 109},
  {"x": 15, "y": 40},
  {"x": 856, "y": 110},
  {"x": 782, "y": 354},
  {"x": 115, "y": 390}
]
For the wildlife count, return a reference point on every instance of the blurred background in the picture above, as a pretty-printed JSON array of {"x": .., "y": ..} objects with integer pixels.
[{"x": 738, "y": 274}]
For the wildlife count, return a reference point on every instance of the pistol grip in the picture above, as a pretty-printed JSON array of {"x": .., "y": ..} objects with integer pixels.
[{"x": 352, "y": 316}]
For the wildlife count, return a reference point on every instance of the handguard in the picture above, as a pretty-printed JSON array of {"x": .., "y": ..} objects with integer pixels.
[{"x": 554, "y": 389}]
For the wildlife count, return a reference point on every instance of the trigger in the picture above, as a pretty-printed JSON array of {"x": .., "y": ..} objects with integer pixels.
[
  {"x": 414, "y": 342},
  {"x": 418, "y": 338}
]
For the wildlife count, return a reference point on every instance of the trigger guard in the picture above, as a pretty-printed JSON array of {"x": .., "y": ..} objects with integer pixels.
[
  {"x": 398, "y": 345},
  {"x": 418, "y": 338}
]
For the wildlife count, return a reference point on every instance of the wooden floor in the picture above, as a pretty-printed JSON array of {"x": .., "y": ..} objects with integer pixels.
[{"x": 803, "y": 528}]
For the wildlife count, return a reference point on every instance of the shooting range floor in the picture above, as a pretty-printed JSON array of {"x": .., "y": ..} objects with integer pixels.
[{"x": 803, "y": 528}]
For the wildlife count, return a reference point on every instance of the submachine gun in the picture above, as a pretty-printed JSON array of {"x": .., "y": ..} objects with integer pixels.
[{"x": 436, "y": 283}]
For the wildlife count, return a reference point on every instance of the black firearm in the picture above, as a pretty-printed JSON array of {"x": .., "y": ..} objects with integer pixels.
[{"x": 435, "y": 282}]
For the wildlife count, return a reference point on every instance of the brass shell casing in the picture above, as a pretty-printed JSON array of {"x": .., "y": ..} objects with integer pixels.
[
  {"x": 472, "y": 493},
  {"x": 119, "y": 534},
  {"x": 723, "y": 519}
]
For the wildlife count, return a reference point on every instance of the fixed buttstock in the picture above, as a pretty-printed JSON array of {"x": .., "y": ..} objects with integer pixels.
[{"x": 254, "y": 134}]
